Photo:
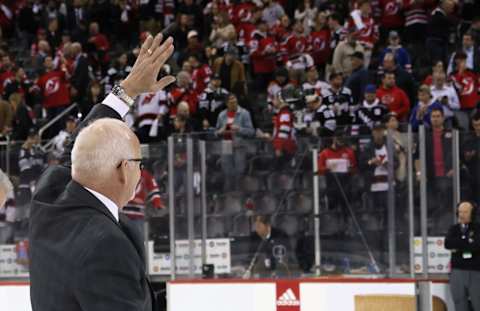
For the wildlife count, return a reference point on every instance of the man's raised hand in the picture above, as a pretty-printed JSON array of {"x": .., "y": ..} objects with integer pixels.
[{"x": 143, "y": 77}]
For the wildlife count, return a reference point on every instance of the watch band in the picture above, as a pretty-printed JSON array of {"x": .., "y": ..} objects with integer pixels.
[{"x": 120, "y": 93}]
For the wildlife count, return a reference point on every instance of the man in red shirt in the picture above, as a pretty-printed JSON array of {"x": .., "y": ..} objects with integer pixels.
[
  {"x": 100, "y": 42},
  {"x": 467, "y": 84},
  {"x": 263, "y": 53},
  {"x": 296, "y": 43},
  {"x": 393, "y": 97},
  {"x": 183, "y": 92},
  {"x": 53, "y": 87}
]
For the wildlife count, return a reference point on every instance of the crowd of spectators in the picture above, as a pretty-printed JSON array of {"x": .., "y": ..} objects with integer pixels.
[{"x": 316, "y": 68}]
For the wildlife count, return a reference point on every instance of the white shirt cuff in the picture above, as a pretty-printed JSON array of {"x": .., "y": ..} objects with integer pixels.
[{"x": 116, "y": 104}]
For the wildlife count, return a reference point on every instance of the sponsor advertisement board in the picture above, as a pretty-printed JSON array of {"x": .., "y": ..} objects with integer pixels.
[
  {"x": 218, "y": 254},
  {"x": 438, "y": 256}
]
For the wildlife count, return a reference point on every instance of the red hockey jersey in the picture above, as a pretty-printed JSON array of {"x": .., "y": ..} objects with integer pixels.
[
  {"x": 54, "y": 89},
  {"x": 284, "y": 131},
  {"x": 368, "y": 35},
  {"x": 392, "y": 14},
  {"x": 319, "y": 46},
  {"x": 263, "y": 51},
  {"x": 201, "y": 78},
  {"x": 146, "y": 193},
  {"x": 467, "y": 85}
]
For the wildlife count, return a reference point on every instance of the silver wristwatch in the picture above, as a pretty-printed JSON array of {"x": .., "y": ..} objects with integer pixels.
[{"x": 120, "y": 93}]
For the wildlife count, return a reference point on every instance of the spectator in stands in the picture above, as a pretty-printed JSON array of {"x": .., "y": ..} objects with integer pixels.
[
  {"x": 194, "y": 47},
  {"x": 400, "y": 141},
  {"x": 439, "y": 29},
  {"x": 342, "y": 56},
  {"x": 53, "y": 87},
  {"x": 462, "y": 239},
  {"x": 439, "y": 169},
  {"x": 211, "y": 103},
  {"x": 392, "y": 19},
  {"x": 365, "y": 28},
  {"x": 38, "y": 60},
  {"x": 337, "y": 31},
  {"x": 193, "y": 11},
  {"x": 7, "y": 209},
  {"x": 23, "y": 117},
  {"x": 471, "y": 156},
  {"x": 403, "y": 79},
  {"x": 467, "y": 84},
  {"x": 319, "y": 119},
  {"x": 393, "y": 97},
  {"x": 223, "y": 31},
  {"x": 263, "y": 53},
  {"x": 61, "y": 140},
  {"x": 272, "y": 12},
  {"x": 31, "y": 162},
  {"x": 93, "y": 96},
  {"x": 371, "y": 111},
  {"x": 472, "y": 56},
  {"x": 277, "y": 84},
  {"x": 375, "y": 162},
  {"x": 100, "y": 43},
  {"x": 445, "y": 94},
  {"x": 178, "y": 124},
  {"x": 80, "y": 77},
  {"x": 148, "y": 108},
  {"x": 475, "y": 31},
  {"x": 234, "y": 124},
  {"x": 6, "y": 73},
  {"x": 422, "y": 111},
  {"x": 77, "y": 19},
  {"x": 283, "y": 136},
  {"x": 402, "y": 57},
  {"x": 338, "y": 164},
  {"x": 312, "y": 84},
  {"x": 359, "y": 78},
  {"x": 264, "y": 246},
  {"x": 201, "y": 73},
  {"x": 53, "y": 33},
  {"x": 339, "y": 99},
  {"x": 307, "y": 14},
  {"x": 116, "y": 73},
  {"x": 319, "y": 42},
  {"x": 230, "y": 69},
  {"x": 180, "y": 30},
  {"x": 183, "y": 92},
  {"x": 147, "y": 195}
]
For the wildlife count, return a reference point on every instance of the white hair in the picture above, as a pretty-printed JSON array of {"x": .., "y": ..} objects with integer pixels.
[
  {"x": 100, "y": 147},
  {"x": 5, "y": 184}
]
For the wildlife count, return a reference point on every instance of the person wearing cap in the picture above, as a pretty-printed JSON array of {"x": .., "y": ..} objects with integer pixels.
[
  {"x": 421, "y": 112},
  {"x": 318, "y": 119},
  {"x": 211, "y": 103},
  {"x": 359, "y": 78},
  {"x": 194, "y": 46},
  {"x": 371, "y": 111},
  {"x": 342, "y": 56},
  {"x": 230, "y": 70},
  {"x": 374, "y": 164},
  {"x": 402, "y": 57}
]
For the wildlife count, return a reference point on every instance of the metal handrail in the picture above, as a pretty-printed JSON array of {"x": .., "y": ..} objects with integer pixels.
[{"x": 55, "y": 119}]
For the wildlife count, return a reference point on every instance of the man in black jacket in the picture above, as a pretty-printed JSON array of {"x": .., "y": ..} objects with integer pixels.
[
  {"x": 463, "y": 239},
  {"x": 83, "y": 255}
]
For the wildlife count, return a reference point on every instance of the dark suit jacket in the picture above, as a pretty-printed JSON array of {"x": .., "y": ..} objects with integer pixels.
[
  {"x": 80, "y": 77},
  {"x": 81, "y": 258}
]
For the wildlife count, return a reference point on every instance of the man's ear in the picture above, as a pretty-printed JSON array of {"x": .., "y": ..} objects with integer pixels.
[{"x": 122, "y": 172}]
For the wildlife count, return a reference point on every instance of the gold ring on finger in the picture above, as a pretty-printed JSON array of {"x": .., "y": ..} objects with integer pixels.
[{"x": 149, "y": 51}]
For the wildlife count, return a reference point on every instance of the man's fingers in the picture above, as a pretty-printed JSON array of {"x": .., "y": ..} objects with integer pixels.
[
  {"x": 162, "y": 59},
  {"x": 155, "y": 44},
  {"x": 160, "y": 50},
  {"x": 145, "y": 46},
  {"x": 163, "y": 83}
]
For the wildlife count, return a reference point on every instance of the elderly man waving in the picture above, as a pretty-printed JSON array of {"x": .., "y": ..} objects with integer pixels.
[{"x": 83, "y": 255}]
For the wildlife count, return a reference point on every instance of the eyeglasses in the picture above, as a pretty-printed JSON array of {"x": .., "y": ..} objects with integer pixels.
[{"x": 139, "y": 160}]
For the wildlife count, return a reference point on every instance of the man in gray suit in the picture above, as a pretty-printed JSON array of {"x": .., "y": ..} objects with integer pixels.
[{"x": 83, "y": 255}]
